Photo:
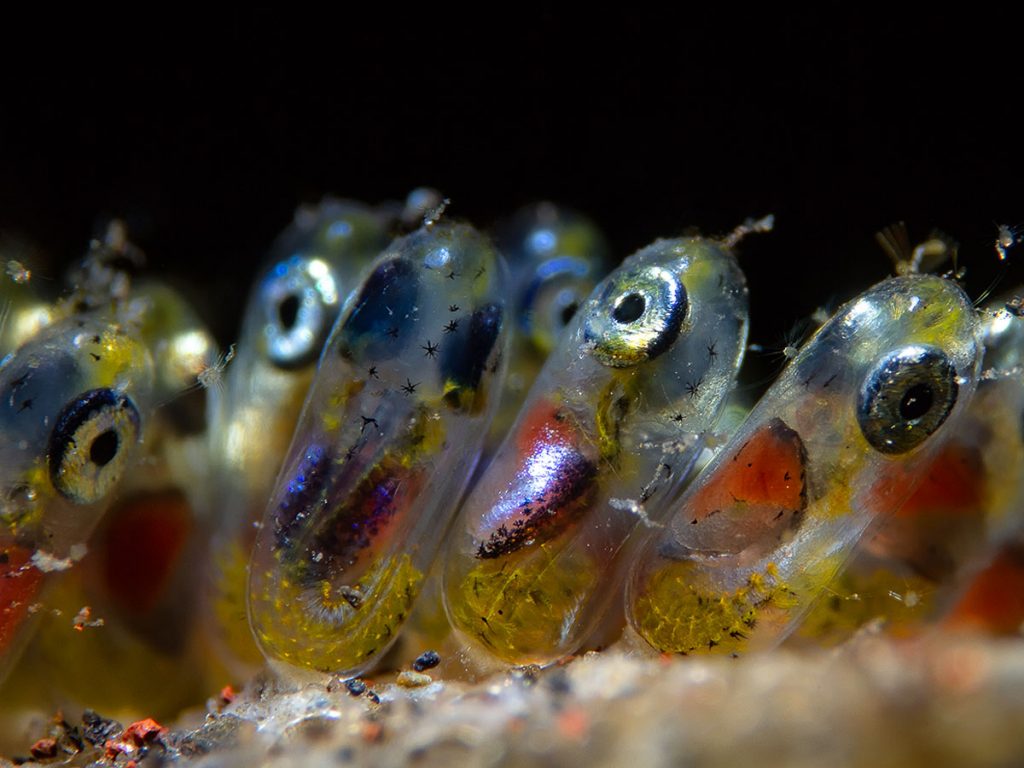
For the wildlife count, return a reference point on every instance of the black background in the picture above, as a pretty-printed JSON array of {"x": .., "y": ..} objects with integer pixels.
[{"x": 206, "y": 130}]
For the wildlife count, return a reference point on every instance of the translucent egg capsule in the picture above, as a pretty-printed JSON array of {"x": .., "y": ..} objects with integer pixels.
[
  {"x": 555, "y": 259},
  {"x": 257, "y": 392},
  {"x": 141, "y": 576},
  {"x": 610, "y": 427},
  {"x": 310, "y": 270},
  {"x": 911, "y": 565},
  {"x": 388, "y": 437},
  {"x": 74, "y": 401},
  {"x": 988, "y": 593},
  {"x": 838, "y": 440},
  {"x": 973, "y": 494}
]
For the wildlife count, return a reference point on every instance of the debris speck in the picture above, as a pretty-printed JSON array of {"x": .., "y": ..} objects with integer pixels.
[
  {"x": 49, "y": 563},
  {"x": 83, "y": 619},
  {"x": 635, "y": 508},
  {"x": 213, "y": 377},
  {"x": 432, "y": 215},
  {"x": 995, "y": 374},
  {"x": 144, "y": 731},
  {"x": 97, "y": 729},
  {"x": 409, "y": 679},
  {"x": 44, "y": 749},
  {"x": 1006, "y": 238},
  {"x": 419, "y": 204},
  {"x": 526, "y": 675},
  {"x": 18, "y": 272},
  {"x": 426, "y": 660}
]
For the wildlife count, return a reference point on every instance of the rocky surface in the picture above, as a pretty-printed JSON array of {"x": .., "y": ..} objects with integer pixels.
[{"x": 940, "y": 701}]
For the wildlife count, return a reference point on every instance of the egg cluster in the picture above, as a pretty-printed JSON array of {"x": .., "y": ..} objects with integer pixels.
[{"x": 492, "y": 444}]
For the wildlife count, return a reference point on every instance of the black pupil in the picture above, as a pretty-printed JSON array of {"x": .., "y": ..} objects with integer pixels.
[
  {"x": 288, "y": 311},
  {"x": 916, "y": 402},
  {"x": 629, "y": 309},
  {"x": 568, "y": 311},
  {"x": 103, "y": 448}
]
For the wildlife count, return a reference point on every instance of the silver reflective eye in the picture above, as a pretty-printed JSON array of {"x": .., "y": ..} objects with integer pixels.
[
  {"x": 300, "y": 300},
  {"x": 559, "y": 287},
  {"x": 906, "y": 398},
  {"x": 636, "y": 316}
]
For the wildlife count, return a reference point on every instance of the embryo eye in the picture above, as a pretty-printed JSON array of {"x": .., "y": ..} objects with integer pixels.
[
  {"x": 90, "y": 444},
  {"x": 300, "y": 299},
  {"x": 906, "y": 398},
  {"x": 636, "y": 317}
]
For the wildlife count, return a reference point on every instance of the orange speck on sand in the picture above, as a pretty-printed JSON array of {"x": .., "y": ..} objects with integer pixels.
[
  {"x": 136, "y": 735},
  {"x": 960, "y": 669},
  {"x": 44, "y": 748},
  {"x": 115, "y": 748},
  {"x": 573, "y": 724},
  {"x": 143, "y": 731}
]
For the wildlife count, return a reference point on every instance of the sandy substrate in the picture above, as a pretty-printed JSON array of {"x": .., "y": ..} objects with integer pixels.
[{"x": 942, "y": 701}]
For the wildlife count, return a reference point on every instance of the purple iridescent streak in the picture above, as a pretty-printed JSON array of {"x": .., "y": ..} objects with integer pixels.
[{"x": 302, "y": 489}]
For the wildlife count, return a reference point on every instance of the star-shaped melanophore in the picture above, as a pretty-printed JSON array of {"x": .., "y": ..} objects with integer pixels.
[{"x": 19, "y": 382}]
